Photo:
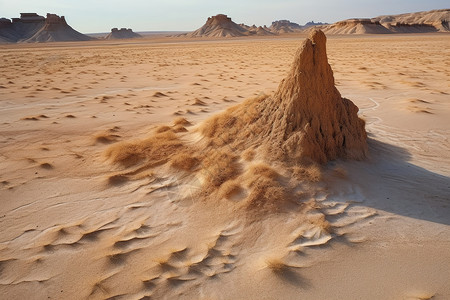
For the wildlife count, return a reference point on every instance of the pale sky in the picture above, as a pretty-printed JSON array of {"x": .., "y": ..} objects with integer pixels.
[{"x": 91, "y": 16}]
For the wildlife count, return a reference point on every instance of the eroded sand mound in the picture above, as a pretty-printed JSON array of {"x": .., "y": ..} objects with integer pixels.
[{"x": 305, "y": 123}]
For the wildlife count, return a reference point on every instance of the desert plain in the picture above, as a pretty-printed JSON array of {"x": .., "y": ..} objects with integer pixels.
[{"x": 74, "y": 225}]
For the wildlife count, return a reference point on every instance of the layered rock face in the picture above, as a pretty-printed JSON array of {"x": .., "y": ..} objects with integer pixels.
[
  {"x": 222, "y": 26},
  {"x": 54, "y": 22},
  {"x": 425, "y": 21},
  {"x": 31, "y": 27},
  {"x": 122, "y": 33},
  {"x": 284, "y": 26},
  {"x": 419, "y": 22},
  {"x": 219, "y": 26},
  {"x": 356, "y": 26}
]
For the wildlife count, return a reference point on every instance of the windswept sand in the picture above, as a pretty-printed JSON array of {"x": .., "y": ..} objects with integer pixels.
[{"x": 76, "y": 226}]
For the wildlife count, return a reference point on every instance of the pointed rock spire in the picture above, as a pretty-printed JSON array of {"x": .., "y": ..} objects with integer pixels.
[
  {"x": 305, "y": 120},
  {"x": 315, "y": 119}
]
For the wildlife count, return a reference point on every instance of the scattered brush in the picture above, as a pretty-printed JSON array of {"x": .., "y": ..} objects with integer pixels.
[
  {"x": 305, "y": 120},
  {"x": 157, "y": 149},
  {"x": 181, "y": 121},
  {"x": 219, "y": 167},
  {"x": 276, "y": 265},
  {"x": 161, "y": 129},
  {"x": 184, "y": 161},
  {"x": 311, "y": 172},
  {"x": 248, "y": 154},
  {"x": 179, "y": 128},
  {"x": 229, "y": 189}
]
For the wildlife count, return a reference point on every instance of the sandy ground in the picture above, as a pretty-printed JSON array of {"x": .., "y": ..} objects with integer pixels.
[{"x": 71, "y": 230}]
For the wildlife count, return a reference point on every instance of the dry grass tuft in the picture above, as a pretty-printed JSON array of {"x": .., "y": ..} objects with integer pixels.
[
  {"x": 179, "y": 128},
  {"x": 161, "y": 129},
  {"x": 157, "y": 149},
  {"x": 263, "y": 170},
  {"x": 267, "y": 194},
  {"x": 234, "y": 122},
  {"x": 184, "y": 161},
  {"x": 311, "y": 173},
  {"x": 248, "y": 154},
  {"x": 181, "y": 121},
  {"x": 276, "y": 265},
  {"x": 219, "y": 167},
  {"x": 229, "y": 189}
]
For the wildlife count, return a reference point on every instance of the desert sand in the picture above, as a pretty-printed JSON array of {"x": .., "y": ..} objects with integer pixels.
[{"x": 82, "y": 218}]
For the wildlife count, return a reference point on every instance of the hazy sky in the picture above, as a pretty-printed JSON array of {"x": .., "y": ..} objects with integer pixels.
[{"x": 89, "y": 16}]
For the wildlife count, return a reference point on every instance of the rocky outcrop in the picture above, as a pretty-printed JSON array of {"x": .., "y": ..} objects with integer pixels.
[
  {"x": 20, "y": 29},
  {"x": 284, "y": 26},
  {"x": 356, "y": 26},
  {"x": 122, "y": 33},
  {"x": 260, "y": 31},
  {"x": 222, "y": 26},
  {"x": 219, "y": 26},
  {"x": 410, "y": 28},
  {"x": 420, "y": 22},
  {"x": 312, "y": 23},
  {"x": 312, "y": 120},
  {"x": 417, "y": 22},
  {"x": 31, "y": 27}
]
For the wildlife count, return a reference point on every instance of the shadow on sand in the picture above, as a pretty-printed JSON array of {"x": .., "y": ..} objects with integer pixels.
[{"x": 389, "y": 182}]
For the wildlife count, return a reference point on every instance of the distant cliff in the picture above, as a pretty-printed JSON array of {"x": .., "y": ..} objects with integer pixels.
[
  {"x": 122, "y": 33},
  {"x": 418, "y": 22},
  {"x": 222, "y": 26},
  {"x": 284, "y": 26},
  {"x": 32, "y": 28}
]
